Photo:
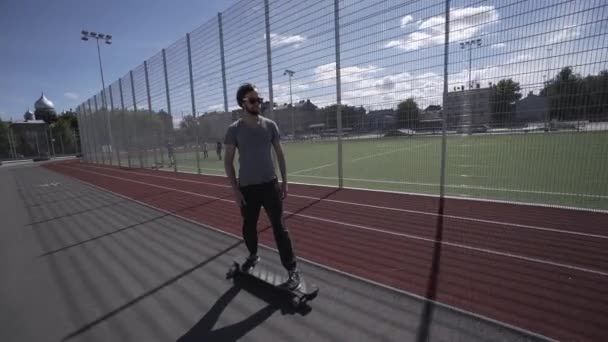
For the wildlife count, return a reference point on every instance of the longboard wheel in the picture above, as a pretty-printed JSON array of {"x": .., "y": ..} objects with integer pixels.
[{"x": 295, "y": 302}]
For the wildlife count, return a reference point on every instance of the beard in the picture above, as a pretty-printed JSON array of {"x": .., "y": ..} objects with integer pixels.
[{"x": 255, "y": 111}]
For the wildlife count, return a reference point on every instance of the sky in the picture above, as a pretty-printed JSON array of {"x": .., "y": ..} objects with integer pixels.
[
  {"x": 42, "y": 51},
  {"x": 390, "y": 50}
]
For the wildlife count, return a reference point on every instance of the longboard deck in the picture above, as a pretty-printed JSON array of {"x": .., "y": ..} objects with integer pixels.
[{"x": 306, "y": 292}]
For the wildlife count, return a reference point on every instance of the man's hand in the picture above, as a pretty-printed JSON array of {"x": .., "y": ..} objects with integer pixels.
[
  {"x": 283, "y": 190},
  {"x": 239, "y": 199}
]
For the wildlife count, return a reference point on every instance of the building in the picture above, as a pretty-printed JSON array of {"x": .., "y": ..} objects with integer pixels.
[
  {"x": 44, "y": 109},
  {"x": 469, "y": 108},
  {"x": 30, "y": 138},
  {"x": 532, "y": 108},
  {"x": 430, "y": 119}
]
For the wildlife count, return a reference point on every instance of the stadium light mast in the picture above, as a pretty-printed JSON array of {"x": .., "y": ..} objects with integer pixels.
[
  {"x": 106, "y": 38},
  {"x": 469, "y": 45},
  {"x": 293, "y": 125}
]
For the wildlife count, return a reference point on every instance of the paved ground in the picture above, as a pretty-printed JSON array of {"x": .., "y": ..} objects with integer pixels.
[{"x": 81, "y": 264}]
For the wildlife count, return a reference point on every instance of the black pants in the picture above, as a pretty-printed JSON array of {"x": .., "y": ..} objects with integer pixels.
[{"x": 269, "y": 196}]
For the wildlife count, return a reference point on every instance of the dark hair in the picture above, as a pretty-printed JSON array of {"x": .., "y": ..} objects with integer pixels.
[{"x": 240, "y": 93}]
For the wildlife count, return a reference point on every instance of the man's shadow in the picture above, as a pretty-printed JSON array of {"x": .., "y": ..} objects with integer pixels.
[{"x": 203, "y": 330}]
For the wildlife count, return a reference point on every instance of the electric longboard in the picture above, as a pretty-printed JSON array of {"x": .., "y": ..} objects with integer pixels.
[{"x": 297, "y": 298}]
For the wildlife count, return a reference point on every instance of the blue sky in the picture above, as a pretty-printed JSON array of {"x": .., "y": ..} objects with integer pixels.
[
  {"x": 391, "y": 50},
  {"x": 42, "y": 50}
]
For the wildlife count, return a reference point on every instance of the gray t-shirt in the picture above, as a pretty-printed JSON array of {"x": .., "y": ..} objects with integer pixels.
[{"x": 254, "y": 145}]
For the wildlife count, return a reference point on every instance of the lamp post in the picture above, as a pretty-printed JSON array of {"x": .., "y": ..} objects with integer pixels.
[
  {"x": 293, "y": 125},
  {"x": 469, "y": 45},
  {"x": 106, "y": 38}
]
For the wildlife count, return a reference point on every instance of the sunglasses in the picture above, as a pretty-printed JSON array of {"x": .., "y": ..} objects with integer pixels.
[{"x": 254, "y": 100}]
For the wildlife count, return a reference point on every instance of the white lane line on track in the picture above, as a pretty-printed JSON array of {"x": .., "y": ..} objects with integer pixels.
[
  {"x": 409, "y": 211},
  {"x": 339, "y": 223}
]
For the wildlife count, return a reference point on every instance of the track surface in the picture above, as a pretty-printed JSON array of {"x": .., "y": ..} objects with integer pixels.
[
  {"x": 541, "y": 269},
  {"x": 81, "y": 264}
]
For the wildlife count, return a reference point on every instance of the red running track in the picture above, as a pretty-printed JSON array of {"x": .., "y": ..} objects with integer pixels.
[{"x": 538, "y": 268}]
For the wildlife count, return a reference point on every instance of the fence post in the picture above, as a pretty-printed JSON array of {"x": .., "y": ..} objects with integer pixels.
[
  {"x": 198, "y": 158},
  {"x": 269, "y": 59},
  {"x": 114, "y": 147},
  {"x": 444, "y": 123},
  {"x": 150, "y": 110},
  {"x": 124, "y": 125},
  {"x": 108, "y": 126},
  {"x": 103, "y": 159},
  {"x": 52, "y": 141},
  {"x": 141, "y": 161},
  {"x": 223, "y": 60},
  {"x": 11, "y": 144},
  {"x": 338, "y": 91},
  {"x": 90, "y": 135},
  {"x": 169, "y": 106}
]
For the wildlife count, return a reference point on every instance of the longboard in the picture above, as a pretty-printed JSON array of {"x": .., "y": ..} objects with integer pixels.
[{"x": 298, "y": 297}]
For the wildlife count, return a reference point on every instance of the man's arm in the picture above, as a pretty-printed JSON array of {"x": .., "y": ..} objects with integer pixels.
[
  {"x": 282, "y": 166},
  {"x": 229, "y": 166}
]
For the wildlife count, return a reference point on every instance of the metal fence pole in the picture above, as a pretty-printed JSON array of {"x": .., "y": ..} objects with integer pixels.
[
  {"x": 114, "y": 147},
  {"x": 52, "y": 141},
  {"x": 124, "y": 125},
  {"x": 11, "y": 143},
  {"x": 150, "y": 111},
  {"x": 90, "y": 135},
  {"x": 338, "y": 91},
  {"x": 139, "y": 152},
  {"x": 109, "y": 126},
  {"x": 95, "y": 131},
  {"x": 219, "y": 22},
  {"x": 174, "y": 161},
  {"x": 269, "y": 58},
  {"x": 446, "y": 50},
  {"x": 198, "y": 158}
]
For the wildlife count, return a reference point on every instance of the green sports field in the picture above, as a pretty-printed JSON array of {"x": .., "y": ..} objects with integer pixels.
[{"x": 550, "y": 168}]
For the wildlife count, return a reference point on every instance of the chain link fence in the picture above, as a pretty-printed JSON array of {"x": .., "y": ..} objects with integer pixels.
[{"x": 498, "y": 100}]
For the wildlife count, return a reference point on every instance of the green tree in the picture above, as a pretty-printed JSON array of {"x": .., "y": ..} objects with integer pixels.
[
  {"x": 504, "y": 96},
  {"x": 565, "y": 94},
  {"x": 407, "y": 114},
  {"x": 595, "y": 92},
  {"x": 4, "y": 144}
]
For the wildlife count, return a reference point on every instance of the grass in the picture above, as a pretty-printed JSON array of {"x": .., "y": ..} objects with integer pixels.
[{"x": 549, "y": 168}]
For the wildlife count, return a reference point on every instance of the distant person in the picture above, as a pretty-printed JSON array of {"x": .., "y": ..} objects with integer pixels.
[
  {"x": 205, "y": 150},
  {"x": 254, "y": 136},
  {"x": 171, "y": 154},
  {"x": 218, "y": 149}
]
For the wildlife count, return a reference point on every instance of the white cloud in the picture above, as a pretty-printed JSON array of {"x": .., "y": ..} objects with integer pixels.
[
  {"x": 406, "y": 20},
  {"x": 567, "y": 33},
  {"x": 277, "y": 40},
  {"x": 71, "y": 95},
  {"x": 326, "y": 73},
  {"x": 498, "y": 45},
  {"x": 465, "y": 23},
  {"x": 520, "y": 58}
]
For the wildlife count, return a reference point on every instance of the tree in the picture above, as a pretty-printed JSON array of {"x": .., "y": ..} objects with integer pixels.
[
  {"x": 4, "y": 144},
  {"x": 503, "y": 99},
  {"x": 565, "y": 95},
  {"x": 407, "y": 114},
  {"x": 351, "y": 116}
]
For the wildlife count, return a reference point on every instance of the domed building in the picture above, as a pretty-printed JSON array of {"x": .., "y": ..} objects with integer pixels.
[
  {"x": 28, "y": 116},
  {"x": 45, "y": 109}
]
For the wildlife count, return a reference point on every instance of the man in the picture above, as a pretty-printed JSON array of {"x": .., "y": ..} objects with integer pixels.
[
  {"x": 171, "y": 153},
  {"x": 257, "y": 185},
  {"x": 218, "y": 149},
  {"x": 205, "y": 150}
]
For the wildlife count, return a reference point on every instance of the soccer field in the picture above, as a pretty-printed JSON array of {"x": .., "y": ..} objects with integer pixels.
[{"x": 549, "y": 168}]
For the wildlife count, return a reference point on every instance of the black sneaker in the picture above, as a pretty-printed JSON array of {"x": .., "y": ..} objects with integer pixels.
[
  {"x": 250, "y": 263},
  {"x": 293, "y": 283}
]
